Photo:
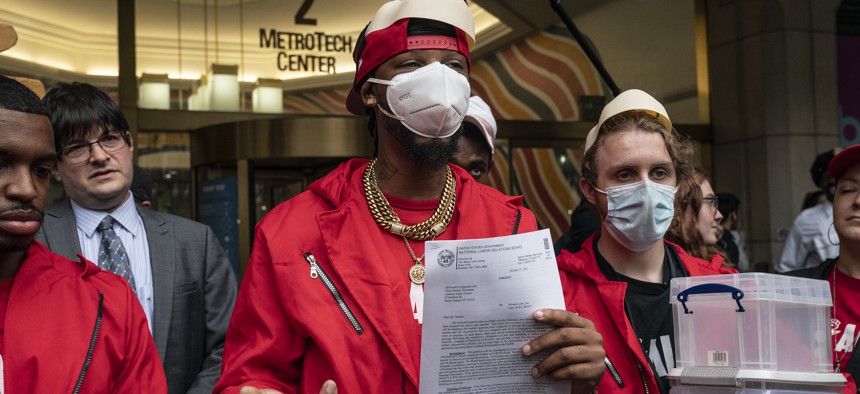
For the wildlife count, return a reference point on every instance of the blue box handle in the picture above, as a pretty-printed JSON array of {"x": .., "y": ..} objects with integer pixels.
[{"x": 711, "y": 288}]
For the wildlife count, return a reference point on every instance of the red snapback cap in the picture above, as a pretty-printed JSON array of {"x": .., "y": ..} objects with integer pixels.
[
  {"x": 387, "y": 36},
  {"x": 843, "y": 161}
]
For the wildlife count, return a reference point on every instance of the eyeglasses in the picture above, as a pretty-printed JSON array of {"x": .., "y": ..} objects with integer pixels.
[
  {"x": 712, "y": 202},
  {"x": 79, "y": 153}
]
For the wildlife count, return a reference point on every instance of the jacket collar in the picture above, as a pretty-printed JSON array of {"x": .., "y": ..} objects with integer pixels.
[
  {"x": 87, "y": 220},
  {"x": 585, "y": 263}
]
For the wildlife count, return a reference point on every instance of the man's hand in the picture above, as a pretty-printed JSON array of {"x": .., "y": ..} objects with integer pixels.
[
  {"x": 578, "y": 354},
  {"x": 329, "y": 387}
]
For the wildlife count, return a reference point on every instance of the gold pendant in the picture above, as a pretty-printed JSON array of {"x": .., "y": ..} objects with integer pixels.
[{"x": 416, "y": 273}]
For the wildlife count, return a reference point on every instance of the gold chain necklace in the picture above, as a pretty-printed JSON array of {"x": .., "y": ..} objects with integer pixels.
[{"x": 386, "y": 218}]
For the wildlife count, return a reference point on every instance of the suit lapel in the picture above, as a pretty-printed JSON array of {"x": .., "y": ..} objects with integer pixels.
[
  {"x": 161, "y": 259},
  {"x": 61, "y": 231}
]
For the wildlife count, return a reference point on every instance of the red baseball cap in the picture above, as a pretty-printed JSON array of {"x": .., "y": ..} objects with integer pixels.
[
  {"x": 843, "y": 161},
  {"x": 387, "y": 36}
]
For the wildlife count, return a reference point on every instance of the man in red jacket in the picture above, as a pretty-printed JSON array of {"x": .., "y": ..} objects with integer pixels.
[
  {"x": 620, "y": 279},
  {"x": 334, "y": 287},
  {"x": 65, "y": 326}
]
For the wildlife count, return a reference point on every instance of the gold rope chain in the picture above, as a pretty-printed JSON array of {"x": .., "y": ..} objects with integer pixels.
[{"x": 388, "y": 219}]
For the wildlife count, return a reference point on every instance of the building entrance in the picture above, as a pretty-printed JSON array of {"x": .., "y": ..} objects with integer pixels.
[{"x": 244, "y": 169}]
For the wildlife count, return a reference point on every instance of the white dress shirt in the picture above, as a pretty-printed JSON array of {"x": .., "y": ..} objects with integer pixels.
[
  {"x": 743, "y": 261},
  {"x": 811, "y": 240},
  {"x": 133, "y": 236}
]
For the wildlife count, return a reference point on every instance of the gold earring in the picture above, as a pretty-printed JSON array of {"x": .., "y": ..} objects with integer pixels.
[{"x": 371, "y": 101}]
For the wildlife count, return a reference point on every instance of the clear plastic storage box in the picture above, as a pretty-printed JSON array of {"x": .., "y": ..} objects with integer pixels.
[{"x": 753, "y": 321}]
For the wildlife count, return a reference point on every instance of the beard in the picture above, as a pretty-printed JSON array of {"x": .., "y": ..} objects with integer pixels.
[{"x": 432, "y": 153}]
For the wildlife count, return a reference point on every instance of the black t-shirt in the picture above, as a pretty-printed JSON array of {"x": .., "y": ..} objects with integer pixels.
[{"x": 650, "y": 314}]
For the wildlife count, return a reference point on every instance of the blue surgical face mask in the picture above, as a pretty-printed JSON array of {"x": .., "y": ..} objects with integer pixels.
[{"x": 639, "y": 214}]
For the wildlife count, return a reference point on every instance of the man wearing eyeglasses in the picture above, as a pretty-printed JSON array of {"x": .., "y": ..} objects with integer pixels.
[{"x": 176, "y": 267}]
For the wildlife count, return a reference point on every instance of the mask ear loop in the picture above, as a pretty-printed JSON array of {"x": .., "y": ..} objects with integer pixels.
[
  {"x": 598, "y": 190},
  {"x": 832, "y": 226}
]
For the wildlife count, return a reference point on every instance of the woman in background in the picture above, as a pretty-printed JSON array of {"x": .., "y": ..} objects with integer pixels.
[
  {"x": 696, "y": 225},
  {"x": 843, "y": 272}
]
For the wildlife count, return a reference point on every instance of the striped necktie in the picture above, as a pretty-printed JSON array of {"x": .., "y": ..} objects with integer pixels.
[{"x": 112, "y": 255}]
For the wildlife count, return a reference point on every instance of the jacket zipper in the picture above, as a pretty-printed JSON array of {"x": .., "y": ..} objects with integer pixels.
[
  {"x": 642, "y": 375},
  {"x": 612, "y": 371},
  {"x": 517, "y": 222},
  {"x": 317, "y": 272},
  {"x": 93, "y": 340},
  {"x": 403, "y": 382}
]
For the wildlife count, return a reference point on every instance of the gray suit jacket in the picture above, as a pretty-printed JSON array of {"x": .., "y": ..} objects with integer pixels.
[{"x": 194, "y": 289}]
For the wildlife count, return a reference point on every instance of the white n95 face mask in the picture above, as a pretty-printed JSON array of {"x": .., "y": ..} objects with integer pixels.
[
  {"x": 430, "y": 101},
  {"x": 639, "y": 214}
]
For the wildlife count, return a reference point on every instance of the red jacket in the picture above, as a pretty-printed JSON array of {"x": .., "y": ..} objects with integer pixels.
[
  {"x": 289, "y": 333},
  {"x": 58, "y": 312},
  {"x": 589, "y": 293}
]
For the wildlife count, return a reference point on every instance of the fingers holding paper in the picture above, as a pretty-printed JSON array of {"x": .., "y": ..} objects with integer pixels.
[{"x": 578, "y": 350}]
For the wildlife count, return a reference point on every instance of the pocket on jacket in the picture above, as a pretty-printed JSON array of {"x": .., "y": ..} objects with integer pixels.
[{"x": 185, "y": 288}]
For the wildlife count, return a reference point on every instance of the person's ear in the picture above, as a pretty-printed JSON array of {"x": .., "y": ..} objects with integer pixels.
[
  {"x": 588, "y": 191},
  {"x": 56, "y": 174},
  {"x": 368, "y": 97}
]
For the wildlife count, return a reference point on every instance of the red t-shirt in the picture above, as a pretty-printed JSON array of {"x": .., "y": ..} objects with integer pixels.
[
  {"x": 5, "y": 289},
  {"x": 412, "y": 212},
  {"x": 846, "y": 315}
]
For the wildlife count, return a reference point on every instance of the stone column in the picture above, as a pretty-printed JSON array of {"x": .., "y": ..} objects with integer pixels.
[
  {"x": 773, "y": 108},
  {"x": 127, "y": 55}
]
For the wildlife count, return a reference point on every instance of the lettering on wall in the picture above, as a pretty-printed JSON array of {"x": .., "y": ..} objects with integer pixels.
[
  {"x": 303, "y": 10},
  {"x": 293, "y": 49},
  {"x": 305, "y": 52}
]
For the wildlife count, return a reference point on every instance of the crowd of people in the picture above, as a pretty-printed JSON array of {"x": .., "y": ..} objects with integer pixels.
[{"x": 99, "y": 293}]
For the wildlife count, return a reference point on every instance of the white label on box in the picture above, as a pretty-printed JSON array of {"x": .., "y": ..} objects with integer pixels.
[{"x": 718, "y": 358}]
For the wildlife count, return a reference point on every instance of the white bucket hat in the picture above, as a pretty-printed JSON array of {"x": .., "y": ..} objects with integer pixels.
[{"x": 629, "y": 100}]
